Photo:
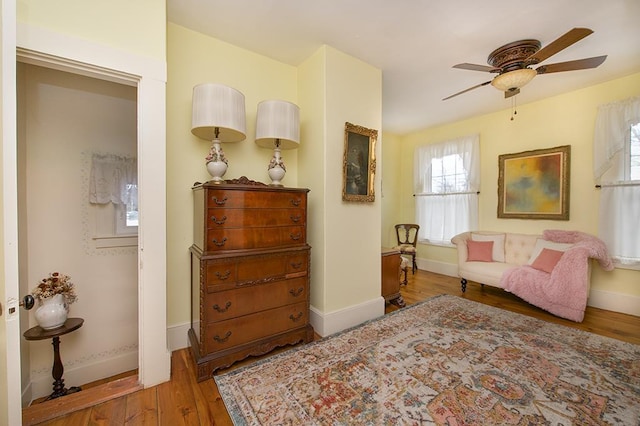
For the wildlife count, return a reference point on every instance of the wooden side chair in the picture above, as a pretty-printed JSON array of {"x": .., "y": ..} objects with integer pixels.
[{"x": 407, "y": 235}]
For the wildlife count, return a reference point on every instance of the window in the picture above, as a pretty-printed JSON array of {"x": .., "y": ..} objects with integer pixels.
[
  {"x": 113, "y": 195},
  {"x": 127, "y": 212},
  {"x": 447, "y": 179},
  {"x": 616, "y": 148}
]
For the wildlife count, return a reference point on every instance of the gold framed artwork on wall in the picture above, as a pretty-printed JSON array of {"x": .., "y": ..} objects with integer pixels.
[
  {"x": 535, "y": 184},
  {"x": 359, "y": 163}
]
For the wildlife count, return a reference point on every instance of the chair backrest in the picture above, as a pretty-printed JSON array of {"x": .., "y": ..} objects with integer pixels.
[{"x": 407, "y": 233}]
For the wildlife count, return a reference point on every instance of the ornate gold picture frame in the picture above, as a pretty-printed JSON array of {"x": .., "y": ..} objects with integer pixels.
[
  {"x": 535, "y": 184},
  {"x": 359, "y": 163}
]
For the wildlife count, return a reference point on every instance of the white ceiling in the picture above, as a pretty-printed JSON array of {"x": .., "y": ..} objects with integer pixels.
[{"x": 416, "y": 42}]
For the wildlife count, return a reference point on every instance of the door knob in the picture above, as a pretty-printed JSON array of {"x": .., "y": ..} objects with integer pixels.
[
  {"x": 27, "y": 302},
  {"x": 12, "y": 307}
]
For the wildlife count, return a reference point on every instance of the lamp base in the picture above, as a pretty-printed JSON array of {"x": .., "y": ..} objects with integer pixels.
[
  {"x": 276, "y": 174},
  {"x": 217, "y": 169},
  {"x": 216, "y": 162},
  {"x": 277, "y": 169}
]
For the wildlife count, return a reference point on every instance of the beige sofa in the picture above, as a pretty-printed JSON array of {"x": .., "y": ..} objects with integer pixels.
[
  {"x": 509, "y": 250},
  {"x": 551, "y": 271}
]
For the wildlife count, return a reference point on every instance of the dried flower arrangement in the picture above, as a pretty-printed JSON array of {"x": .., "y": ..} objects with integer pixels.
[{"x": 55, "y": 283}]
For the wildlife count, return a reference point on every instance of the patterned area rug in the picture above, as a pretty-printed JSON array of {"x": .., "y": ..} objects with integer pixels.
[{"x": 445, "y": 361}]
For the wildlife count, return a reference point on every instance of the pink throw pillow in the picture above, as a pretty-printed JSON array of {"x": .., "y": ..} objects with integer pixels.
[
  {"x": 479, "y": 251},
  {"x": 547, "y": 260}
]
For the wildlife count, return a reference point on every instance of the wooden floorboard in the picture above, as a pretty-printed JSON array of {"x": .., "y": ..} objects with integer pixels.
[
  {"x": 185, "y": 401},
  {"x": 94, "y": 395}
]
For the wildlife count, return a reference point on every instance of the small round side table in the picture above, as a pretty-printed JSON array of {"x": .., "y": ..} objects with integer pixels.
[{"x": 38, "y": 333}]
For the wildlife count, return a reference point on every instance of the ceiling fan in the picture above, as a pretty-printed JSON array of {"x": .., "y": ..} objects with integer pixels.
[{"x": 512, "y": 62}]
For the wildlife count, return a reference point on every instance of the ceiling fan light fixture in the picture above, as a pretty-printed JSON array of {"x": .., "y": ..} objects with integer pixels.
[{"x": 513, "y": 79}]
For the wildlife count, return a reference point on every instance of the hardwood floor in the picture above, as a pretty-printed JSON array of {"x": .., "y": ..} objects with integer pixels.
[{"x": 184, "y": 401}]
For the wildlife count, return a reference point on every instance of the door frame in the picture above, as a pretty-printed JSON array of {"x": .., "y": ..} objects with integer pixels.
[{"x": 47, "y": 48}]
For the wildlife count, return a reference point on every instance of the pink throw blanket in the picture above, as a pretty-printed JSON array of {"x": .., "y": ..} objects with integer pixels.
[{"x": 564, "y": 291}]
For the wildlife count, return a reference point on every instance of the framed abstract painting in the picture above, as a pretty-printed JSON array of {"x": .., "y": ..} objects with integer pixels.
[{"x": 535, "y": 184}]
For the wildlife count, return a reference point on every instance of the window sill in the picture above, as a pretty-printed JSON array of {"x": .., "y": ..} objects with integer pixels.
[
  {"x": 113, "y": 241},
  {"x": 436, "y": 243},
  {"x": 630, "y": 266}
]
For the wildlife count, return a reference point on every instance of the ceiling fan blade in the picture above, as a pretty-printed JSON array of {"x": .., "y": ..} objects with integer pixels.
[
  {"x": 511, "y": 92},
  {"x": 466, "y": 90},
  {"x": 476, "y": 67},
  {"x": 559, "y": 44},
  {"x": 580, "y": 64}
]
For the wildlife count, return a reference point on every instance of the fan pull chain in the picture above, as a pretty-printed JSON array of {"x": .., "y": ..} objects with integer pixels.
[{"x": 513, "y": 106}]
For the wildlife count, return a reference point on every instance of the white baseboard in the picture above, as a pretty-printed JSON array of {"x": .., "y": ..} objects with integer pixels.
[
  {"x": 177, "y": 336},
  {"x": 616, "y": 302},
  {"x": 325, "y": 324},
  {"x": 443, "y": 268},
  {"x": 27, "y": 395},
  {"x": 86, "y": 373}
]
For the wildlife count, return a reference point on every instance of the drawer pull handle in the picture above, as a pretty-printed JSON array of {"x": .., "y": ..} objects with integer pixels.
[
  {"x": 295, "y": 219},
  {"x": 296, "y": 318},
  {"x": 222, "y": 310},
  {"x": 220, "y": 221},
  {"x": 296, "y": 202},
  {"x": 296, "y": 265},
  {"x": 223, "y": 276},
  {"x": 295, "y": 237},
  {"x": 220, "y": 202},
  {"x": 219, "y": 243},
  {"x": 296, "y": 293},
  {"x": 223, "y": 339}
]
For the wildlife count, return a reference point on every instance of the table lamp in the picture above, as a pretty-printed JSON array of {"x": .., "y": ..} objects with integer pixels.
[
  {"x": 277, "y": 126},
  {"x": 218, "y": 115}
]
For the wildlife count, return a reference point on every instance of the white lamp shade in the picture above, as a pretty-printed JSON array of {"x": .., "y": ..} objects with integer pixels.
[
  {"x": 513, "y": 79},
  {"x": 218, "y": 106},
  {"x": 278, "y": 120}
]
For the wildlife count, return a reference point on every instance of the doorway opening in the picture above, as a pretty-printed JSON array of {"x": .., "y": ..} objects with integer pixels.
[{"x": 65, "y": 120}]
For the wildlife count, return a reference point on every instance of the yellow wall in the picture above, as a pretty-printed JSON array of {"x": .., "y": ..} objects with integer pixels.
[
  {"x": 353, "y": 94},
  {"x": 566, "y": 119},
  {"x": 194, "y": 58},
  {"x": 136, "y": 26},
  {"x": 390, "y": 193},
  {"x": 311, "y": 155}
]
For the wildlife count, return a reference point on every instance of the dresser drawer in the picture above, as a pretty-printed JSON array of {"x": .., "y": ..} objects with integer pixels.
[
  {"x": 229, "y": 273},
  {"x": 254, "y": 238},
  {"x": 223, "y": 305},
  {"x": 254, "y": 218},
  {"x": 218, "y": 198},
  {"x": 237, "y": 331}
]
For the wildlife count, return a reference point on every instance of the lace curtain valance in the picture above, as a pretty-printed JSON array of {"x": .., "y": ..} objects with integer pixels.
[
  {"x": 613, "y": 124},
  {"x": 114, "y": 179}
]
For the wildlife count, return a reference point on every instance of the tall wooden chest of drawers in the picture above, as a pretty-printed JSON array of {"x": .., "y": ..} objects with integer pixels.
[{"x": 249, "y": 272}]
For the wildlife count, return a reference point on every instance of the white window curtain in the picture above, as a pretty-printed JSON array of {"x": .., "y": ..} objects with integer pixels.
[
  {"x": 114, "y": 179},
  {"x": 442, "y": 215},
  {"x": 619, "y": 197}
]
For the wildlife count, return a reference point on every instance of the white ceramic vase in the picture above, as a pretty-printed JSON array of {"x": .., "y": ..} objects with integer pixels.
[{"x": 52, "y": 312}]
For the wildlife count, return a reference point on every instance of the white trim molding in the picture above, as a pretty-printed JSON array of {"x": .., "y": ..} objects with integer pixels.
[
  {"x": 50, "y": 49},
  {"x": 325, "y": 324}
]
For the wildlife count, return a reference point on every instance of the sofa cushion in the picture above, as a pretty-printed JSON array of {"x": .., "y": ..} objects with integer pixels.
[
  {"x": 542, "y": 244},
  {"x": 480, "y": 251},
  {"x": 484, "y": 272},
  {"x": 518, "y": 248},
  {"x": 547, "y": 260},
  {"x": 498, "y": 244}
]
